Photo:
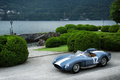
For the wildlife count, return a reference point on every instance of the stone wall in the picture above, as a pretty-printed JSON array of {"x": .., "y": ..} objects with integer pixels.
[{"x": 36, "y": 37}]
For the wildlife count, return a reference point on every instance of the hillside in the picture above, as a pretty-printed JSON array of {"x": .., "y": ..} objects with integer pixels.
[{"x": 54, "y": 9}]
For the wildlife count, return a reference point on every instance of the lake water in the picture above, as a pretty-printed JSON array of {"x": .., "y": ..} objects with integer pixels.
[{"x": 26, "y": 27}]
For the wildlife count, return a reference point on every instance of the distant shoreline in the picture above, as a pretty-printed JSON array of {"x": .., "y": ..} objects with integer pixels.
[{"x": 30, "y": 27}]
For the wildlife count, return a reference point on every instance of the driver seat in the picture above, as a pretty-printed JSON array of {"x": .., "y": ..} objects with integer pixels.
[{"x": 93, "y": 55}]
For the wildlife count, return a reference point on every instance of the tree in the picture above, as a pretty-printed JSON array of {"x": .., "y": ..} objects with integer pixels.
[{"x": 115, "y": 11}]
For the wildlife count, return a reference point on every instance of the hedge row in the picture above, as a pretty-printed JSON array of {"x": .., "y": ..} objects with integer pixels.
[
  {"x": 83, "y": 40},
  {"x": 76, "y": 27},
  {"x": 113, "y": 28},
  {"x": 110, "y": 41},
  {"x": 61, "y": 29},
  {"x": 57, "y": 41},
  {"x": 118, "y": 31},
  {"x": 105, "y": 28},
  {"x": 79, "y": 37},
  {"x": 13, "y": 50}
]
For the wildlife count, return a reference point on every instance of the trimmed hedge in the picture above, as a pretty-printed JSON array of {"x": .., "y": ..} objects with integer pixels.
[
  {"x": 92, "y": 28},
  {"x": 114, "y": 28},
  {"x": 13, "y": 50},
  {"x": 105, "y": 28},
  {"x": 53, "y": 42},
  {"x": 69, "y": 26},
  {"x": 83, "y": 40},
  {"x": 70, "y": 30},
  {"x": 111, "y": 42},
  {"x": 70, "y": 42},
  {"x": 118, "y": 31},
  {"x": 79, "y": 26},
  {"x": 61, "y": 30},
  {"x": 87, "y": 27},
  {"x": 64, "y": 38},
  {"x": 84, "y": 27}
]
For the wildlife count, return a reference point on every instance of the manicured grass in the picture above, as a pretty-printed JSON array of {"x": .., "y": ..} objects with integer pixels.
[
  {"x": 98, "y": 32},
  {"x": 62, "y": 48}
]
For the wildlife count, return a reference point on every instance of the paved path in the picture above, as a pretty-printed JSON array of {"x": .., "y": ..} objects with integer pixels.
[
  {"x": 33, "y": 53},
  {"x": 39, "y": 67}
]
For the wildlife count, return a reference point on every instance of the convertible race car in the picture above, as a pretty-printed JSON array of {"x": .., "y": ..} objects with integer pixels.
[{"x": 79, "y": 60}]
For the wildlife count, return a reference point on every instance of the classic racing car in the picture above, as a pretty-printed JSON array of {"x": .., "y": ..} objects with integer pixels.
[{"x": 75, "y": 62}]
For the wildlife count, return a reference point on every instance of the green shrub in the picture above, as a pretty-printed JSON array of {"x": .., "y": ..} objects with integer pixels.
[
  {"x": 105, "y": 28},
  {"x": 13, "y": 50},
  {"x": 53, "y": 42},
  {"x": 92, "y": 28},
  {"x": 111, "y": 43},
  {"x": 84, "y": 27},
  {"x": 68, "y": 26},
  {"x": 83, "y": 40},
  {"x": 64, "y": 38},
  {"x": 61, "y": 30},
  {"x": 70, "y": 30},
  {"x": 118, "y": 31},
  {"x": 114, "y": 28},
  {"x": 79, "y": 26},
  {"x": 70, "y": 42},
  {"x": 87, "y": 27}
]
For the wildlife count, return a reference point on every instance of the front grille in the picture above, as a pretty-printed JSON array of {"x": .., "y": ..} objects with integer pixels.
[{"x": 57, "y": 66}]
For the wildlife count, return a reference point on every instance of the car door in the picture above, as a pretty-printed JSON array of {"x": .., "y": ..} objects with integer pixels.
[{"x": 89, "y": 61}]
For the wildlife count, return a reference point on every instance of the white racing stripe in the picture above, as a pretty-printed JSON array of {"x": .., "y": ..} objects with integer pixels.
[{"x": 59, "y": 62}]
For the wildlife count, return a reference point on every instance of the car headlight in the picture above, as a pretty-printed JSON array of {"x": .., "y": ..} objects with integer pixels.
[{"x": 67, "y": 65}]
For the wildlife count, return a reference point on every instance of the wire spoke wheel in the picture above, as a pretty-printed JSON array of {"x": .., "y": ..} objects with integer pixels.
[
  {"x": 76, "y": 68},
  {"x": 104, "y": 61}
]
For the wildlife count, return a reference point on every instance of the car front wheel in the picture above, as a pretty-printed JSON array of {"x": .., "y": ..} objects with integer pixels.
[{"x": 76, "y": 68}]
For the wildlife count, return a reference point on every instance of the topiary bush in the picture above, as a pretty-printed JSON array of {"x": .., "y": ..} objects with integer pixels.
[
  {"x": 118, "y": 31},
  {"x": 70, "y": 42},
  {"x": 61, "y": 30},
  {"x": 70, "y": 30},
  {"x": 111, "y": 42},
  {"x": 64, "y": 38},
  {"x": 84, "y": 27},
  {"x": 105, "y": 28},
  {"x": 114, "y": 28},
  {"x": 13, "y": 50},
  {"x": 83, "y": 40},
  {"x": 68, "y": 26},
  {"x": 92, "y": 28},
  {"x": 79, "y": 26},
  {"x": 53, "y": 42}
]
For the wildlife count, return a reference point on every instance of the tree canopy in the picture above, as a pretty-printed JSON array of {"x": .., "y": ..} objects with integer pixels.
[
  {"x": 115, "y": 11},
  {"x": 54, "y": 9}
]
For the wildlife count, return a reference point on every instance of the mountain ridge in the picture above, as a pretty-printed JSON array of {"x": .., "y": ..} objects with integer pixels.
[{"x": 54, "y": 9}]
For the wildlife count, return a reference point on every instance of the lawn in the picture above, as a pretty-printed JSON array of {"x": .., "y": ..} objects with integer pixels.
[
  {"x": 99, "y": 32},
  {"x": 62, "y": 48}
]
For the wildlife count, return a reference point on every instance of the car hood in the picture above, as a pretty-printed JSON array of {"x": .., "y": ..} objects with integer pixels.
[{"x": 72, "y": 58}]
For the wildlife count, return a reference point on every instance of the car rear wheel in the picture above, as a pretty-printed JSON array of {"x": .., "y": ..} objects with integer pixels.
[
  {"x": 103, "y": 62},
  {"x": 76, "y": 68}
]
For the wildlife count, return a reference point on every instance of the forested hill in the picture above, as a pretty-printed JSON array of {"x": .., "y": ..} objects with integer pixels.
[{"x": 54, "y": 9}]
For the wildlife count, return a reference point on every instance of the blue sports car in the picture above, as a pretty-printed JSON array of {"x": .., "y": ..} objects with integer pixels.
[{"x": 74, "y": 62}]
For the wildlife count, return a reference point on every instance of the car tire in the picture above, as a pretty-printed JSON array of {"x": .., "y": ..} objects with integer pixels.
[
  {"x": 103, "y": 62},
  {"x": 76, "y": 68}
]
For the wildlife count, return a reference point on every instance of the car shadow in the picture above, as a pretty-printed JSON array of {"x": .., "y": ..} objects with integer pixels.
[{"x": 92, "y": 69}]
